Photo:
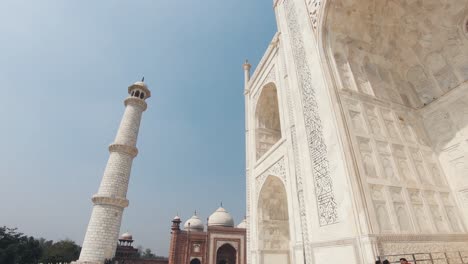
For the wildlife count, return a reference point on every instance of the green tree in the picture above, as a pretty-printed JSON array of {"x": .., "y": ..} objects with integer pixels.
[
  {"x": 61, "y": 251},
  {"x": 17, "y": 248},
  {"x": 147, "y": 254}
]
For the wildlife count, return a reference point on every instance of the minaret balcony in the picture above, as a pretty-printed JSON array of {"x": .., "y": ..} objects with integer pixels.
[
  {"x": 125, "y": 149},
  {"x": 104, "y": 200}
]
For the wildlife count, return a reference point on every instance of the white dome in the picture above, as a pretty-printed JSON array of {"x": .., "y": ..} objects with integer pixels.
[
  {"x": 221, "y": 218},
  {"x": 195, "y": 224},
  {"x": 242, "y": 224},
  {"x": 126, "y": 236}
]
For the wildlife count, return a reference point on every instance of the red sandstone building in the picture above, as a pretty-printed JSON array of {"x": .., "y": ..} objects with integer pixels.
[
  {"x": 221, "y": 243},
  {"x": 127, "y": 254}
]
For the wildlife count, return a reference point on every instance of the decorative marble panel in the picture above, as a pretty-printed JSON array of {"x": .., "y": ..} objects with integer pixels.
[
  {"x": 409, "y": 247},
  {"x": 388, "y": 167},
  {"x": 357, "y": 121},
  {"x": 415, "y": 196},
  {"x": 438, "y": 218},
  {"x": 389, "y": 122},
  {"x": 406, "y": 129},
  {"x": 383, "y": 219},
  {"x": 313, "y": 8},
  {"x": 423, "y": 224},
  {"x": 367, "y": 156},
  {"x": 377, "y": 192},
  {"x": 453, "y": 218},
  {"x": 403, "y": 217},
  {"x": 313, "y": 124},
  {"x": 436, "y": 174},
  {"x": 403, "y": 163},
  {"x": 277, "y": 169}
]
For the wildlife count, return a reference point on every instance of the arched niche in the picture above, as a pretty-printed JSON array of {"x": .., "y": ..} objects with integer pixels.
[
  {"x": 273, "y": 223},
  {"x": 226, "y": 254},
  {"x": 267, "y": 120}
]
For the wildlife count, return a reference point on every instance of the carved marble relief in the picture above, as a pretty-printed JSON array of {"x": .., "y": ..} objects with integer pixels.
[
  {"x": 423, "y": 224},
  {"x": 386, "y": 161},
  {"x": 313, "y": 8},
  {"x": 435, "y": 211},
  {"x": 345, "y": 72},
  {"x": 410, "y": 247},
  {"x": 406, "y": 129},
  {"x": 327, "y": 207},
  {"x": 298, "y": 174},
  {"x": 443, "y": 73},
  {"x": 423, "y": 175},
  {"x": 453, "y": 218},
  {"x": 367, "y": 158},
  {"x": 357, "y": 121},
  {"x": 277, "y": 169},
  {"x": 403, "y": 163},
  {"x": 450, "y": 209},
  {"x": 374, "y": 123},
  {"x": 392, "y": 131},
  {"x": 436, "y": 174},
  {"x": 401, "y": 212},
  {"x": 438, "y": 218},
  {"x": 381, "y": 208},
  {"x": 413, "y": 44}
]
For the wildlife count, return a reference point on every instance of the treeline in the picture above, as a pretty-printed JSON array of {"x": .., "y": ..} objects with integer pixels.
[{"x": 16, "y": 247}]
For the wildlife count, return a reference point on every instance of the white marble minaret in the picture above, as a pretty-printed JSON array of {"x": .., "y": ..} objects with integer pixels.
[{"x": 104, "y": 226}]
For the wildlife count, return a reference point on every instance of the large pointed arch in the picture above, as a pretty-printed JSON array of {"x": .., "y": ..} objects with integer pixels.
[
  {"x": 273, "y": 235},
  {"x": 267, "y": 120},
  {"x": 226, "y": 254}
]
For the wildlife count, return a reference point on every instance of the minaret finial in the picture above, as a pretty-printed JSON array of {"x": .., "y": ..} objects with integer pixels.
[
  {"x": 221, "y": 203},
  {"x": 195, "y": 213},
  {"x": 143, "y": 79}
]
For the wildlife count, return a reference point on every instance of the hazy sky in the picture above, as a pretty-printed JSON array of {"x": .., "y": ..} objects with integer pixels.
[{"x": 64, "y": 71}]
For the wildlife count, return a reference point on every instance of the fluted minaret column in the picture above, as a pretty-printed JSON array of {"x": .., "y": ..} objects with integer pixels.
[{"x": 104, "y": 226}]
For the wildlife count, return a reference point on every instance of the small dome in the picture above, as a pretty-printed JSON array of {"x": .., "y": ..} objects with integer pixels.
[
  {"x": 176, "y": 218},
  {"x": 242, "y": 224},
  {"x": 195, "y": 224},
  {"x": 221, "y": 217},
  {"x": 126, "y": 236},
  {"x": 141, "y": 84}
]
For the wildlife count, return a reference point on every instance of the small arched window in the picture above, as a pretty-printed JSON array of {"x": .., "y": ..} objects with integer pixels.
[
  {"x": 142, "y": 95},
  {"x": 137, "y": 93},
  {"x": 133, "y": 92}
]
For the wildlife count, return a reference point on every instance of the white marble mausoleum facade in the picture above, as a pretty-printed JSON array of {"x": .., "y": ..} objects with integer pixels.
[{"x": 357, "y": 132}]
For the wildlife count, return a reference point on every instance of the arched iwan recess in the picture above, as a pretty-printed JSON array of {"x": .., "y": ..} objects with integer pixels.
[
  {"x": 226, "y": 254},
  {"x": 273, "y": 223},
  {"x": 267, "y": 127},
  {"x": 195, "y": 261}
]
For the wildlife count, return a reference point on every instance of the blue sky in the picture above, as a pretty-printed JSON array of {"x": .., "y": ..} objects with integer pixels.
[{"x": 64, "y": 71}]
